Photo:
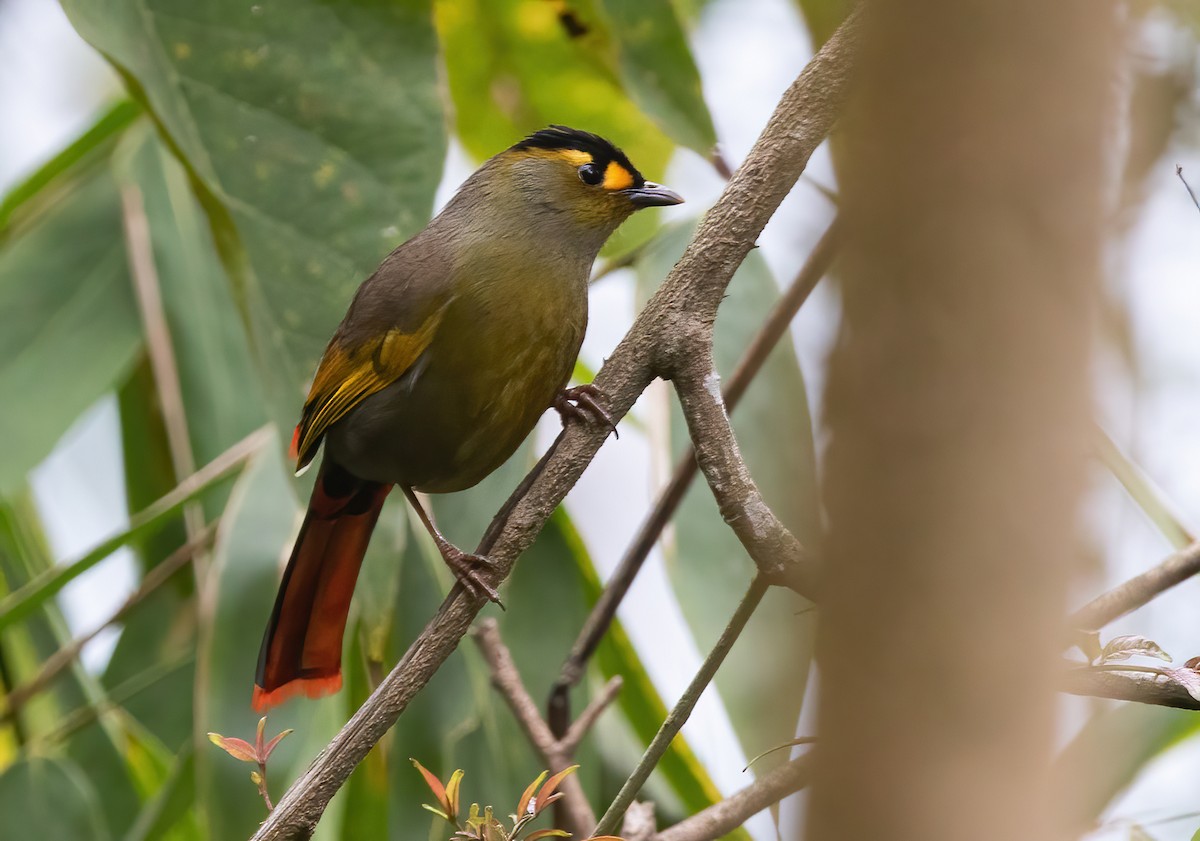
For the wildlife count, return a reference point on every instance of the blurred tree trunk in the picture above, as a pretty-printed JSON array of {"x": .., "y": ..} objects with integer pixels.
[{"x": 957, "y": 407}]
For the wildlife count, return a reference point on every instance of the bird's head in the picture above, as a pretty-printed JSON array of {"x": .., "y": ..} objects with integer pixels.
[{"x": 581, "y": 177}]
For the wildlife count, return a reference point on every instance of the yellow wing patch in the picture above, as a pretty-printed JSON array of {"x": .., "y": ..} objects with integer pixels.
[{"x": 346, "y": 377}]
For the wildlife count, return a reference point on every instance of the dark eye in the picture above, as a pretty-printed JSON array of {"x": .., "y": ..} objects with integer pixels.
[{"x": 591, "y": 174}]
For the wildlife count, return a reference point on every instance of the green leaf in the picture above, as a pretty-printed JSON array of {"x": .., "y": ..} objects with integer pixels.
[
  {"x": 658, "y": 70},
  {"x": 50, "y": 800},
  {"x": 169, "y": 813},
  {"x": 1110, "y": 751},
  {"x": 314, "y": 132},
  {"x": 21, "y": 603},
  {"x": 69, "y": 329},
  {"x": 514, "y": 68},
  {"x": 220, "y": 395},
  {"x": 94, "y": 144},
  {"x": 707, "y": 565},
  {"x": 1142, "y": 491}
]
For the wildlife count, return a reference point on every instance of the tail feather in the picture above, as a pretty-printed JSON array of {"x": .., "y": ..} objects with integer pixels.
[{"x": 301, "y": 651}]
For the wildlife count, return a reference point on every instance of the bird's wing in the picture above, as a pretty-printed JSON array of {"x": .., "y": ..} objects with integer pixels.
[{"x": 349, "y": 374}]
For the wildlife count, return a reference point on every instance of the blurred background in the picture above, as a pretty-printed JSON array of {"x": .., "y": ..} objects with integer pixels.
[{"x": 305, "y": 140}]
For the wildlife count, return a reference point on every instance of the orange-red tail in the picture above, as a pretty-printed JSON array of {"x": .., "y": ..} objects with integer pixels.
[{"x": 301, "y": 651}]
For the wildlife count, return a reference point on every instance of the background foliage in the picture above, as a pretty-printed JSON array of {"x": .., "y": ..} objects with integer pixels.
[{"x": 280, "y": 150}]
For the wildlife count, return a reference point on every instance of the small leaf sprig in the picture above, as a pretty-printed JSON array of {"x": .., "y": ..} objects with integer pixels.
[
  {"x": 257, "y": 753},
  {"x": 1109, "y": 658},
  {"x": 484, "y": 826}
]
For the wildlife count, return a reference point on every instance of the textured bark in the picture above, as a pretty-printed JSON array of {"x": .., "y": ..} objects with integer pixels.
[{"x": 957, "y": 410}]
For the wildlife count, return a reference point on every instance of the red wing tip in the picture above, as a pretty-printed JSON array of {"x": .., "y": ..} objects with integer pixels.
[
  {"x": 294, "y": 449},
  {"x": 311, "y": 687}
]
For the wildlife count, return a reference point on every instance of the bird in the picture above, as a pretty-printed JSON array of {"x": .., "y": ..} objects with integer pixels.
[{"x": 447, "y": 356}]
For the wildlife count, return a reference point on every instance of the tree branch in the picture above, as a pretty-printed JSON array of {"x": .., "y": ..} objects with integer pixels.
[
  {"x": 556, "y": 753},
  {"x": 688, "y": 296},
  {"x": 602, "y": 613},
  {"x": 683, "y": 709},
  {"x": 775, "y": 550},
  {"x": 1140, "y": 687},
  {"x": 722, "y": 818},
  {"x": 1139, "y": 590}
]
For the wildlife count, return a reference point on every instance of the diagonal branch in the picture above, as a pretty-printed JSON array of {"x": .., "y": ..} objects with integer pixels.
[
  {"x": 1139, "y": 590},
  {"x": 683, "y": 708},
  {"x": 775, "y": 550},
  {"x": 1139, "y": 687},
  {"x": 556, "y": 753},
  {"x": 602, "y": 613},
  {"x": 722, "y": 818},
  {"x": 687, "y": 299}
]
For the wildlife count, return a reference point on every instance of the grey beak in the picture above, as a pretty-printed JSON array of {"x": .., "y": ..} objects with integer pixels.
[{"x": 653, "y": 195}]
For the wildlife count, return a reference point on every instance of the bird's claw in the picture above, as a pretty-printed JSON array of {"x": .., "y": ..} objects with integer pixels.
[
  {"x": 582, "y": 402},
  {"x": 466, "y": 568}
]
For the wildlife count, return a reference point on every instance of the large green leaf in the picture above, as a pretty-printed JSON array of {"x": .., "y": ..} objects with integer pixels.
[
  {"x": 90, "y": 149},
  {"x": 514, "y": 67},
  {"x": 50, "y": 800},
  {"x": 706, "y": 563},
  {"x": 658, "y": 69},
  {"x": 315, "y": 132},
  {"x": 69, "y": 329}
]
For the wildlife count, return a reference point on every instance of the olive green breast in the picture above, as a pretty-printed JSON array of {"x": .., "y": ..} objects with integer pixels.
[{"x": 506, "y": 345}]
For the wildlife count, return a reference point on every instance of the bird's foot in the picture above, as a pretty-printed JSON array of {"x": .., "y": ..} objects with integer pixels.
[
  {"x": 467, "y": 568},
  {"x": 582, "y": 402}
]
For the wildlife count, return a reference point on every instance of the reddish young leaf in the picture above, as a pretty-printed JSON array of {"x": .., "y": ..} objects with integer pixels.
[
  {"x": 237, "y": 748},
  {"x": 270, "y": 746},
  {"x": 524, "y": 807},
  {"x": 435, "y": 785},
  {"x": 544, "y": 796},
  {"x": 547, "y": 833}
]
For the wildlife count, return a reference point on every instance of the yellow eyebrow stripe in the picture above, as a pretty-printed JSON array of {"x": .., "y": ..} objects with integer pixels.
[
  {"x": 575, "y": 157},
  {"x": 617, "y": 177}
]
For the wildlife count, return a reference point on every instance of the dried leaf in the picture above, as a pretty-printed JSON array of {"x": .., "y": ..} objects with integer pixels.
[
  {"x": 551, "y": 784},
  {"x": 1189, "y": 679},
  {"x": 1192, "y": 663},
  {"x": 239, "y": 749},
  {"x": 524, "y": 806},
  {"x": 1124, "y": 647}
]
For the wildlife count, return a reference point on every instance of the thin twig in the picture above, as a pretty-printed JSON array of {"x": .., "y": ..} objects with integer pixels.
[
  {"x": 161, "y": 351},
  {"x": 687, "y": 299},
  {"x": 722, "y": 818},
  {"x": 1139, "y": 590},
  {"x": 556, "y": 753},
  {"x": 59, "y": 660},
  {"x": 1179, "y": 172},
  {"x": 761, "y": 346},
  {"x": 682, "y": 710}
]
